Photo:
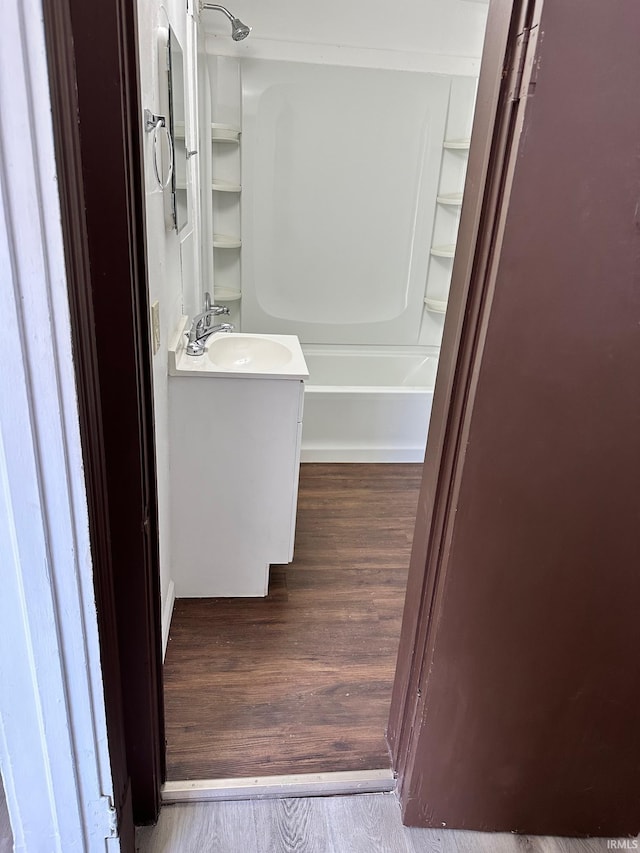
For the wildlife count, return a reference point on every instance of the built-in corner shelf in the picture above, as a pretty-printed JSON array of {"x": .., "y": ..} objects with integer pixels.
[
  {"x": 450, "y": 199},
  {"x": 436, "y": 306},
  {"x": 224, "y": 133},
  {"x": 226, "y": 294},
  {"x": 445, "y": 251},
  {"x": 225, "y": 187},
  {"x": 223, "y": 241},
  {"x": 224, "y": 225},
  {"x": 219, "y": 132},
  {"x": 457, "y": 144}
]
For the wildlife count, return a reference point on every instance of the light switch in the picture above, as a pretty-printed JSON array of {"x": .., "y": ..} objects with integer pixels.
[{"x": 155, "y": 326}]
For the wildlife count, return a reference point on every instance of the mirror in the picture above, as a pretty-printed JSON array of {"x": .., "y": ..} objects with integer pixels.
[{"x": 177, "y": 113}]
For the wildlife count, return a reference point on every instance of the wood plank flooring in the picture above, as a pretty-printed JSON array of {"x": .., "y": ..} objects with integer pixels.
[
  {"x": 366, "y": 823},
  {"x": 300, "y": 682},
  {"x": 6, "y": 837}
]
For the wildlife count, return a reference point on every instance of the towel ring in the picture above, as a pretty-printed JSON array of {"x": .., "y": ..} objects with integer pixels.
[{"x": 152, "y": 124}]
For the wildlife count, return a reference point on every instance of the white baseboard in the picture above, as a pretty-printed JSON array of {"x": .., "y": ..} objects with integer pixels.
[
  {"x": 362, "y": 454},
  {"x": 167, "y": 613},
  {"x": 265, "y": 787}
]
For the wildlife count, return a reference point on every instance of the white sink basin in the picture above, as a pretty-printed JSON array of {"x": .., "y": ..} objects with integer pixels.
[
  {"x": 241, "y": 352},
  {"x": 242, "y": 355}
]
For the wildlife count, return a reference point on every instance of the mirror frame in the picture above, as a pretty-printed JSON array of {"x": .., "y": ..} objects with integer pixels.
[{"x": 172, "y": 43}]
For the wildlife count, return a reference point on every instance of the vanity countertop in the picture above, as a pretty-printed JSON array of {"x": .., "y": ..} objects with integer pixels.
[{"x": 239, "y": 355}]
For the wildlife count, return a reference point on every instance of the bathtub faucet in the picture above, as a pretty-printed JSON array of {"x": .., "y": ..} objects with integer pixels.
[{"x": 201, "y": 328}]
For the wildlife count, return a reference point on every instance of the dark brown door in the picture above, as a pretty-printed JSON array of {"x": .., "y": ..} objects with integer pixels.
[
  {"x": 518, "y": 708},
  {"x": 105, "y": 47}
]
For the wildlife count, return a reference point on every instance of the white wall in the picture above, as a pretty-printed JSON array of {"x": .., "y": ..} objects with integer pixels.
[
  {"x": 451, "y": 27},
  {"x": 53, "y": 739},
  {"x": 163, "y": 259}
]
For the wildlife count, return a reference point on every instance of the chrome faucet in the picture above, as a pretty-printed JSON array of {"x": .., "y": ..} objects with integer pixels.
[{"x": 201, "y": 327}]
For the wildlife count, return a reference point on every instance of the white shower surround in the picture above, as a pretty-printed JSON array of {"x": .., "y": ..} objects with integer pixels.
[
  {"x": 341, "y": 163},
  {"x": 340, "y": 170},
  {"x": 366, "y": 404}
]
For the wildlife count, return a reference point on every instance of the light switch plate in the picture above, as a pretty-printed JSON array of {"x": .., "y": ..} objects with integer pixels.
[{"x": 155, "y": 326}]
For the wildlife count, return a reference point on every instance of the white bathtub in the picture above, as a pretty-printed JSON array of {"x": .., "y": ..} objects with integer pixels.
[{"x": 365, "y": 404}]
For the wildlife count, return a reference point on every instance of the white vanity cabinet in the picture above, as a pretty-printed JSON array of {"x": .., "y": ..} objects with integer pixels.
[{"x": 235, "y": 460}]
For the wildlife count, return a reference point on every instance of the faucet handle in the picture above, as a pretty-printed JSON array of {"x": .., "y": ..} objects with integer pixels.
[{"x": 219, "y": 309}]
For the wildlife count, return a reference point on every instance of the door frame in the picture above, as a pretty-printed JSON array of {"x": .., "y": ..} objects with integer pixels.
[
  {"x": 495, "y": 131},
  {"x": 465, "y": 317},
  {"x": 97, "y": 132},
  {"x": 54, "y": 753}
]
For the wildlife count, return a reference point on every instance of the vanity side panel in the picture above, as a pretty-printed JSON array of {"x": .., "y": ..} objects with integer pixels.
[{"x": 296, "y": 474}]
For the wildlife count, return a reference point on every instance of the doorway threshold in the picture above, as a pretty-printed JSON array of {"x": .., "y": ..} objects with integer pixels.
[{"x": 265, "y": 787}]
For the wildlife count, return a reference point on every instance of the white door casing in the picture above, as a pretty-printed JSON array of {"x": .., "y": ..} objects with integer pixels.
[{"x": 53, "y": 738}]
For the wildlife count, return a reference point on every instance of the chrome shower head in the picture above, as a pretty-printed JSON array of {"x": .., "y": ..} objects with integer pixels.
[{"x": 239, "y": 30}]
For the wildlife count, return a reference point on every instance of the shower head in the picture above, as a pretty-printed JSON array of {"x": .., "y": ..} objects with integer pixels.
[{"x": 239, "y": 30}]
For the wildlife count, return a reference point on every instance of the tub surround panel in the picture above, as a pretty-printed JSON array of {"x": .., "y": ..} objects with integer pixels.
[
  {"x": 340, "y": 169},
  {"x": 341, "y": 55}
]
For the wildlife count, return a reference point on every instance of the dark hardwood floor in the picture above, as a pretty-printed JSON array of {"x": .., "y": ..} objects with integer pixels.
[{"x": 300, "y": 682}]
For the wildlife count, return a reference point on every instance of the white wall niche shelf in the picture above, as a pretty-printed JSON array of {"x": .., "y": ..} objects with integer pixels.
[
  {"x": 224, "y": 133},
  {"x": 219, "y": 186},
  {"x": 450, "y": 199},
  {"x": 226, "y": 294},
  {"x": 435, "y": 306},
  {"x": 224, "y": 241},
  {"x": 444, "y": 251},
  {"x": 457, "y": 144}
]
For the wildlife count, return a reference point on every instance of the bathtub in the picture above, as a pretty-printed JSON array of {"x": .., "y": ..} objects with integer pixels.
[{"x": 365, "y": 404}]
